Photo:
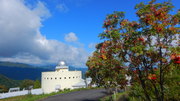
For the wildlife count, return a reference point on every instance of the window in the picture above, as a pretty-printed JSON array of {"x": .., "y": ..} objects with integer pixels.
[
  {"x": 60, "y": 78},
  {"x": 55, "y": 78},
  {"x": 51, "y": 78},
  {"x": 64, "y": 77},
  {"x": 69, "y": 77},
  {"x": 73, "y": 77},
  {"x": 47, "y": 78}
]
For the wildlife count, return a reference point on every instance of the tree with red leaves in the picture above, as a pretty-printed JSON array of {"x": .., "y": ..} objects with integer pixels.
[
  {"x": 149, "y": 48},
  {"x": 104, "y": 69}
]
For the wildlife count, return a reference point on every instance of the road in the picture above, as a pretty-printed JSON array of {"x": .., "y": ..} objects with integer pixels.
[{"x": 84, "y": 95}]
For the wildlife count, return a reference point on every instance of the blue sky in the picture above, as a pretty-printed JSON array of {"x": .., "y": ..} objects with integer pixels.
[
  {"x": 44, "y": 32},
  {"x": 85, "y": 17}
]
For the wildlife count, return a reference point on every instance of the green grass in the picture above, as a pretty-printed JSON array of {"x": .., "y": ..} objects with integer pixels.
[
  {"x": 39, "y": 97},
  {"x": 115, "y": 97}
]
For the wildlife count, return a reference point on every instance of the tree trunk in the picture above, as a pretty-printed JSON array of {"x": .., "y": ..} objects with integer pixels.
[
  {"x": 161, "y": 76},
  {"x": 144, "y": 87}
]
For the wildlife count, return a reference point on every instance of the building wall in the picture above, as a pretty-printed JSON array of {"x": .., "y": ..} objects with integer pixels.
[{"x": 64, "y": 79}]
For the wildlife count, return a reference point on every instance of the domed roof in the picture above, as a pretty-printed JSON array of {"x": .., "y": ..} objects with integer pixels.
[{"x": 61, "y": 63}]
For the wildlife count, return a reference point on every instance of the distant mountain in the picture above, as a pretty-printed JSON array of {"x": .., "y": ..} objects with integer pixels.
[
  {"x": 20, "y": 71},
  {"x": 9, "y": 83},
  {"x": 11, "y": 64}
]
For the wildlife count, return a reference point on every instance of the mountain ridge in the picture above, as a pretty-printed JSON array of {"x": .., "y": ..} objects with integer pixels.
[{"x": 21, "y": 71}]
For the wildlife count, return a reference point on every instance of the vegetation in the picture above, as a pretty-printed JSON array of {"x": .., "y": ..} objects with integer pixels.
[
  {"x": 123, "y": 96},
  {"x": 147, "y": 50},
  {"x": 6, "y": 83},
  {"x": 37, "y": 84},
  {"x": 3, "y": 89},
  {"x": 27, "y": 83}
]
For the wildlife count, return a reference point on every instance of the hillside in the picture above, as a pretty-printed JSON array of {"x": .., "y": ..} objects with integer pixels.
[
  {"x": 8, "y": 82},
  {"x": 20, "y": 71},
  {"x": 11, "y": 64}
]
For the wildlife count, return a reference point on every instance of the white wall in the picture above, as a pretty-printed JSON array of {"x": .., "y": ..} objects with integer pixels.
[
  {"x": 37, "y": 91},
  {"x": 19, "y": 93},
  {"x": 64, "y": 79}
]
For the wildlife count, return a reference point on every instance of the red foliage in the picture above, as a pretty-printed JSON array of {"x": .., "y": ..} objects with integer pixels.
[
  {"x": 177, "y": 62},
  {"x": 158, "y": 29},
  {"x": 115, "y": 16},
  {"x": 153, "y": 9},
  {"x": 176, "y": 58},
  {"x": 152, "y": 77},
  {"x": 141, "y": 39},
  {"x": 172, "y": 28},
  {"x": 173, "y": 56}
]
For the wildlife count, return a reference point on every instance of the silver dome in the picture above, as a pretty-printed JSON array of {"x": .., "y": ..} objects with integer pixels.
[{"x": 61, "y": 63}]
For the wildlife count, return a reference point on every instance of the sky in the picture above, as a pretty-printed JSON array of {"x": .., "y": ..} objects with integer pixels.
[{"x": 41, "y": 32}]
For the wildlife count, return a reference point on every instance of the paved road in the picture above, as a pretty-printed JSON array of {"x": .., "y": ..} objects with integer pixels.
[{"x": 84, "y": 95}]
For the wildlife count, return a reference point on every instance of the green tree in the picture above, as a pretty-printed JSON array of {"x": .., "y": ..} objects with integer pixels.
[
  {"x": 148, "y": 47},
  {"x": 26, "y": 83},
  {"x": 37, "y": 84}
]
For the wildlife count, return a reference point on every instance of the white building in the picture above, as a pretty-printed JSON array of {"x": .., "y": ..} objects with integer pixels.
[{"x": 61, "y": 78}]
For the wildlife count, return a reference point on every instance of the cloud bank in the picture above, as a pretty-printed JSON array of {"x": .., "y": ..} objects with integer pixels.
[
  {"x": 22, "y": 41},
  {"x": 71, "y": 37}
]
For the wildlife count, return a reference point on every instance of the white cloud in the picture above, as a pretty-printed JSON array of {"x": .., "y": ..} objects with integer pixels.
[
  {"x": 41, "y": 10},
  {"x": 22, "y": 41},
  {"x": 92, "y": 45},
  {"x": 71, "y": 37},
  {"x": 62, "y": 7}
]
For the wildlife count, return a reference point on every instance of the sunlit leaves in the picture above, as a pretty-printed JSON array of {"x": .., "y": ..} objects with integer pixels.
[{"x": 146, "y": 49}]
